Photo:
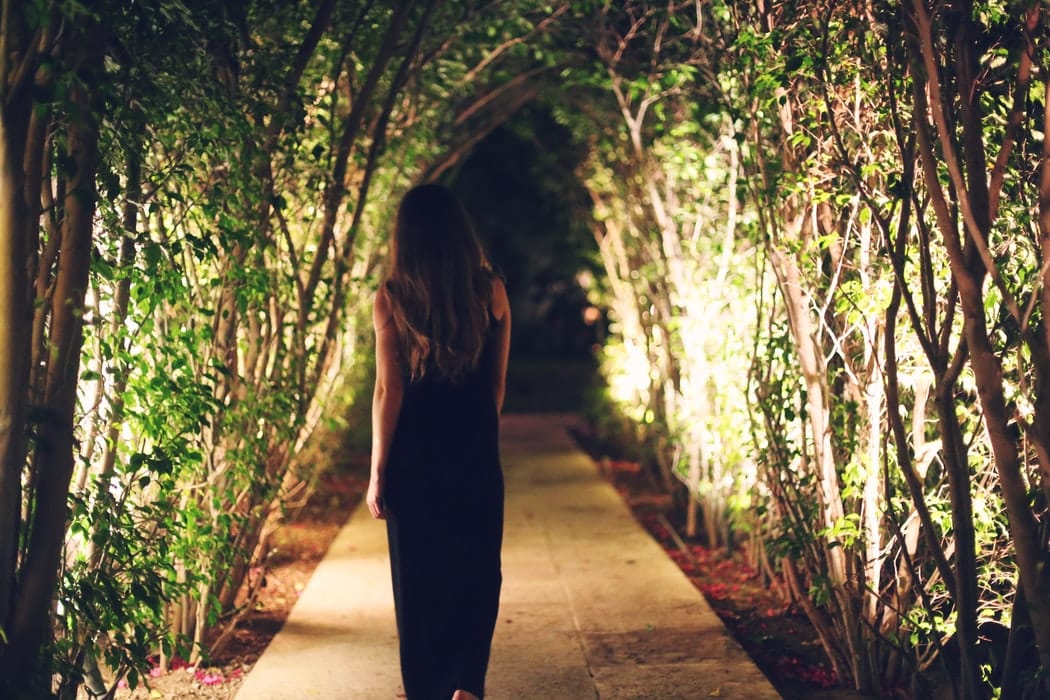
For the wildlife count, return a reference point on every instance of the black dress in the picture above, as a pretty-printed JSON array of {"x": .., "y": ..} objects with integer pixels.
[{"x": 444, "y": 500}]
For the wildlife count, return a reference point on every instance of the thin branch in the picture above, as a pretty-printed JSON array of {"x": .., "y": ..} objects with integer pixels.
[
  {"x": 937, "y": 108},
  {"x": 1017, "y": 112},
  {"x": 490, "y": 96},
  {"x": 493, "y": 55},
  {"x": 293, "y": 258},
  {"x": 624, "y": 42},
  {"x": 478, "y": 134}
]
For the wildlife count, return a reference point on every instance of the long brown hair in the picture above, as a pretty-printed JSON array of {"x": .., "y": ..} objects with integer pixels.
[{"x": 439, "y": 283}]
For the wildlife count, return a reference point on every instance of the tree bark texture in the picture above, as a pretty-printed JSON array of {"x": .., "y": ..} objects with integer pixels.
[
  {"x": 956, "y": 138},
  {"x": 21, "y": 148},
  {"x": 28, "y": 624},
  {"x": 16, "y": 318}
]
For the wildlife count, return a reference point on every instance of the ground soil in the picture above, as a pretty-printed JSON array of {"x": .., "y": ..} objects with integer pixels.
[{"x": 778, "y": 637}]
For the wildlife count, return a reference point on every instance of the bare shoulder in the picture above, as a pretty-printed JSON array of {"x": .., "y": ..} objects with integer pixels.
[{"x": 500, "y": 302}]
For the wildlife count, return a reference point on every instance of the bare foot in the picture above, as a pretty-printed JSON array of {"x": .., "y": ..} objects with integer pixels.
[{"x": 464, "y": 695}]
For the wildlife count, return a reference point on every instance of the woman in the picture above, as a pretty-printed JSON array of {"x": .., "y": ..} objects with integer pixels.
[{"x": 442, "y": 324}]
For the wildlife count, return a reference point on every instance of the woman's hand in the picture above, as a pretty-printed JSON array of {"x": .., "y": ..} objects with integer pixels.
[{"x": 374, "y": 498}]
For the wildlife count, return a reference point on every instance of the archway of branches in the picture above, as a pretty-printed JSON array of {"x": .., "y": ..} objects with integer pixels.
[{"x": 811, "y": 239}]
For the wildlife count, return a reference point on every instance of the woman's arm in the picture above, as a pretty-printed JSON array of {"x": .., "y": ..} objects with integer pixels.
[
  {"x": 501, "y": 312},
  {"x": 386, "y": 400}
]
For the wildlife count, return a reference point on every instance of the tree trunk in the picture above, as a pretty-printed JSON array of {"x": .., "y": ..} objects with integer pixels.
[
  {"x": 16, "y": 317},
  {"x": 21, "y": 154},
  {"x": 954, "y": 98},
  {"x": 53, "y": 458}
]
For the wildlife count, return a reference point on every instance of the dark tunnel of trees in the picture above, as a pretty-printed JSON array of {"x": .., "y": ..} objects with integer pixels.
[{"x": 805, "y": 244}]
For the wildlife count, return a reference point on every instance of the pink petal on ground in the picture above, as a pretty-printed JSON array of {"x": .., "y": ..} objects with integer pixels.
[{"x": 205, "y": 678}]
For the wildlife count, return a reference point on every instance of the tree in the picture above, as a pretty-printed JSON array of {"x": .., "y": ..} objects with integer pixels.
[
  {"x": 210, "y": 296},
  {"x": 49, "y": 134},
  {"x": 964, "y": 62}
]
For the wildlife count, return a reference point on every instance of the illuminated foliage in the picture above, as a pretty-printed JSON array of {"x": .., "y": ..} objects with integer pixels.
[{"x": 824, "y": 232}]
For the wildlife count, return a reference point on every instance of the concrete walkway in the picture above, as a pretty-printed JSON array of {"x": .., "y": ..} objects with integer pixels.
[{"x": 591, "y": 605}]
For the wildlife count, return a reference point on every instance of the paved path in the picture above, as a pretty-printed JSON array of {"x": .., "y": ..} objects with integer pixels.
[{"x": 591, "y": 605}]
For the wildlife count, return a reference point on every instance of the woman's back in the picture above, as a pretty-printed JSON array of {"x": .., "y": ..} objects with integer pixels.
[
  {"x": 448, "y": 431},
  {"x": 442, "y": 336},
  {"x": 445, "y": 525}
]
